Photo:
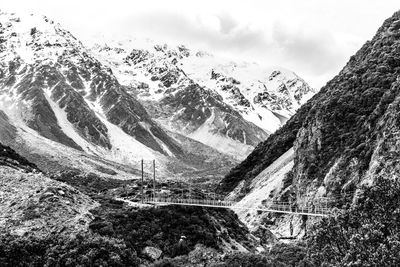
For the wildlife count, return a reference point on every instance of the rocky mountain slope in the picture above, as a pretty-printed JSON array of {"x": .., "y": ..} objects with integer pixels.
[
  {"x": 227, "y": 105},
  {"x": 61, "y": 106},
  {"x": 346, "y": 135},
  {"x": 33, "y": 204}
]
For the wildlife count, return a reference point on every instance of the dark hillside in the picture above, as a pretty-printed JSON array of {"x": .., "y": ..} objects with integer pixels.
[
  {"x": 8, "y": 157},
  {"x": 266, "y": 152},
  {"x": 343, "y": 124}
]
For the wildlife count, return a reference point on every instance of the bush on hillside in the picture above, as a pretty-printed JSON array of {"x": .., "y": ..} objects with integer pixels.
[
  {"x": 368, "y": 234},
  {"x": 163, "y": 228},
  {"x": 53, "y": 250}
]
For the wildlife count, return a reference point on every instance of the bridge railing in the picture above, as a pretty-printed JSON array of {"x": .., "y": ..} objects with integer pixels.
[
  {"x": 268, "y": 206},
  {"x": 209, "y": 202},
  {"x": 304, "y": 208}
]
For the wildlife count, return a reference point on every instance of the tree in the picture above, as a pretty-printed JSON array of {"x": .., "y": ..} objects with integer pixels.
[{"x": 368, "y": 234}]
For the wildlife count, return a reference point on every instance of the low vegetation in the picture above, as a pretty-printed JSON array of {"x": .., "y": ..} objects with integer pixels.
[
  {"x": 174, "y": 230},
  {"x": 89, "y": 183},
  {"x": 80, "y": 250},
  {"x": 8, "y": 157},
  {"x": 368, "y": 234}
]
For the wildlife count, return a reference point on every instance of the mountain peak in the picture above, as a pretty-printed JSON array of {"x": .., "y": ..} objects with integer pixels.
[{"x": 35, "y": 38}]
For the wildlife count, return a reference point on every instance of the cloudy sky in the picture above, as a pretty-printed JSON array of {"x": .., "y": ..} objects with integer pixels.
[{"x": 314, "y": 38}]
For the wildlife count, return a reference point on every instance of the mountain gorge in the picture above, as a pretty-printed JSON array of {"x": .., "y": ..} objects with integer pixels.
[
  {"x": 252, "y": 166},
  {"x": 343, "y": 137},
  {"x": 109, "y": 107}
]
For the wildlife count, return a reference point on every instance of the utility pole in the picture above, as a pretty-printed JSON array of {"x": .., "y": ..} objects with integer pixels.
[
  {"x": 154, "y": 178},
  {"x": 141, "y": 184}
]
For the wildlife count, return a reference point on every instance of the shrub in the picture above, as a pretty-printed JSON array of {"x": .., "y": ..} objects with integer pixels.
[
  {"x": 368, "y": 234},
  {"x": 53, "y": 250},
  {"x": 159, "y": 227},
  {"x": 245, "y": 260}
]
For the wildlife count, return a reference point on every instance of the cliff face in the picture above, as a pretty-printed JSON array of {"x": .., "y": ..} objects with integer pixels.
[{"x": 347, "y": 133}]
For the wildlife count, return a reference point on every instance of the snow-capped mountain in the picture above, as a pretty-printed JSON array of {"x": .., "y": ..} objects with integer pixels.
[
  {"x": 265, "y": 96},
  {"x": 60, "y": 100},
  {"x": 227, "y": 105}
]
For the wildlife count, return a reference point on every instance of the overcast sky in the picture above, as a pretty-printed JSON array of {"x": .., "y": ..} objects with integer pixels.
[{"x": 314, "y": 38}]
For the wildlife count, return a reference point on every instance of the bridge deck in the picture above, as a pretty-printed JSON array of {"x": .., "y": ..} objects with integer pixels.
[{"x": 276, "y": 207}]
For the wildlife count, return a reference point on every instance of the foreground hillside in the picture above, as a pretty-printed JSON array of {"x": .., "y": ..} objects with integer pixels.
[
  {"x": 45, "y": 222},
  {"x": 33, "y": 204}
]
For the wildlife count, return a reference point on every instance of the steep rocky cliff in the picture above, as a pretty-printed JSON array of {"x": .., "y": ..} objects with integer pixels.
[{"x": 347, "y": 134}]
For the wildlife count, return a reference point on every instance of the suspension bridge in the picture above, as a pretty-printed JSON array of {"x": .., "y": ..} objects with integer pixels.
[
  {"x": 316, "y": 206},
  {"x": 320, "y": 210}
]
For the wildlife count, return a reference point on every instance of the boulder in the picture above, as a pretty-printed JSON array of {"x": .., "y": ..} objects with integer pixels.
[
  {"x": 152, "y": 252},
  {"x": 202, "y": 255}
]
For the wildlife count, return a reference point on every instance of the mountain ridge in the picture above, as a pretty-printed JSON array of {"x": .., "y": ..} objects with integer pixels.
[
  {"x": 173, "y": 74},
  {"x": 343, "y": 137},
  {"x": 53, "y": 88}
]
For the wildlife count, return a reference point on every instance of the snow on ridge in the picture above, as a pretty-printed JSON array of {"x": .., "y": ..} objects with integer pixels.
[
  {"x": 123, "y": 146},
  {"x": 254, "y": 80},
  {"x": 38, "y": 39},
  {"x": 32, "y": 30},
  {"x": 67, "y": 127}
]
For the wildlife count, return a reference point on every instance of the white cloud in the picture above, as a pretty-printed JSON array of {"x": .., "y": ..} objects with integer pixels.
[{"x": 312, "y": 37}]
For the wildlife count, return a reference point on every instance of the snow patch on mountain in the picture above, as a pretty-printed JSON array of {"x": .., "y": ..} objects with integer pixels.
[
  {"x": 208, "y": 134},
  {"x": 65, "y": 125},
  {"x": 125, "y": 148}
]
